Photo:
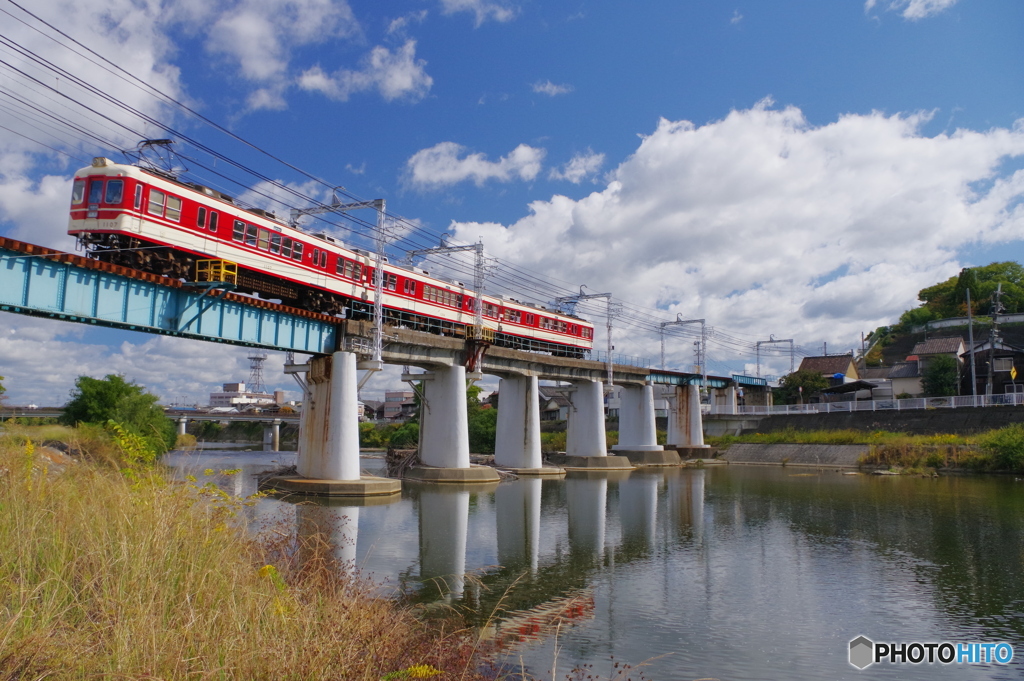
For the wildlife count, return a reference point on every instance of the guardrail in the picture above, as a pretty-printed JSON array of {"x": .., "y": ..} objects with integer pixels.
[{"x": 959, "y": 401}]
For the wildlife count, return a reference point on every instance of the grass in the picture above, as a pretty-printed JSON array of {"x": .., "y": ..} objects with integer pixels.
[{"x": 114, "y": 575}]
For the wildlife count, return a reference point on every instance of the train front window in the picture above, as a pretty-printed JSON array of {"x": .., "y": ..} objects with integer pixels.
[
  {"x": 173, "y": 208},
  {"x": 201, "y": 218},
  {"x": 78, "y": 192},
  {"x": 115, "y": 192},
  {"x": 156, "y": 202},
  {"x": 95, "y": 191}
]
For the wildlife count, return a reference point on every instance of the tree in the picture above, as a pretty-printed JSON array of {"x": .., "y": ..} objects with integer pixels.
[
  {"x": 112, "y": 398},
  {"x": 788, "y": 391},
  {"x": 2, "y": 389},
  {"x": 941, "y": 377}
]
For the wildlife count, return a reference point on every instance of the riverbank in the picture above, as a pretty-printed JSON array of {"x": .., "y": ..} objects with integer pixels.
[
  {"x": 999, "y": 450},
  {"x": 144, "y": 577}
]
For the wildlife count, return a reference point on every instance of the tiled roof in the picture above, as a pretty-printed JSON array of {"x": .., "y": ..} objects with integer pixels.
[
  {"x": 874, "y": 372},
  {"x": 939, "y": 346},
  {"x": 828, "y": 366},
  {"x": 904, "y": 370}
]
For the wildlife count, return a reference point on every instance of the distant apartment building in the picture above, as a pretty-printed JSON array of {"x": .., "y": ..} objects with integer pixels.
[
  {"x": 235, "y": 395},
  {"x": 399, "y": 405}
]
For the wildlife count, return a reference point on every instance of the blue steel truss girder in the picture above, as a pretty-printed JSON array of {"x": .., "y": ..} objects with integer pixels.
[
  {"x": 41, "y": 287},
  {"x": 677, "y": 378}
]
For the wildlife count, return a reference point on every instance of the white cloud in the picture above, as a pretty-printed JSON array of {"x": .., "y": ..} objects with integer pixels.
[
  {"x": 259, "y": 36},
  {"x": 398, "y": 26},
  {"x": 763, "y": 223},
  {"x": 579, "y": 167},
  {"x": 395, "y": 75},
  {"x": 481, "y": 9},
  {"x": 169, "y": 367},
  {"x": 445, "y": 164},
  {"x": 737, "y": 17},
  {"x": 913, "y": 9},
  {"x": 546, "y": 87}
]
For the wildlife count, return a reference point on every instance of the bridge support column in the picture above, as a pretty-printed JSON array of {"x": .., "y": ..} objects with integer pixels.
[
  {"x": 182, "y": 425},
  {"x": 586, "y": 443},
  {"x": 638, "y": 435},
  {"x": 328, "y": 459},
  {"x": 275, "y": 429},
  {"x": 685, "y": 423},
  {"x": 444, "y": 430},
  {"x": 517, "y": 445}
]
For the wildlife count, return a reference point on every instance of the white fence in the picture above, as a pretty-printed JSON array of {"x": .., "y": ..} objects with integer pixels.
[{"x": 1013, "y": 399}]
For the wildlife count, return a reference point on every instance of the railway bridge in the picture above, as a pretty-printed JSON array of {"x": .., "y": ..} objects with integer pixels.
[{"x": 44, "y": 283}]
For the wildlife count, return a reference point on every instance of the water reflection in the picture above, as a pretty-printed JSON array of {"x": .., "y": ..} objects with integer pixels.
[
  {"x": 336, "y": 527},
  {"x": 518, "y": 521},
  {"x": 738, "y": 572}
]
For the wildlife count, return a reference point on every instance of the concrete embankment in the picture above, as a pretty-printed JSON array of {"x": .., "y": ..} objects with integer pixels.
[
  {"x": 960, "y": 421},
  {"x": 841, "y": 456}
]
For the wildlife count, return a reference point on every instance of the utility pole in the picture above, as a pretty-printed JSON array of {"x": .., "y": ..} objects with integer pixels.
[
  {"x": 993, "y": 337},
  {"x": 970, "y": 339},
  {"x": 612, "y": 310},
  {"x": 380, "y": 238},
  {"x": 772, "y": 340}
]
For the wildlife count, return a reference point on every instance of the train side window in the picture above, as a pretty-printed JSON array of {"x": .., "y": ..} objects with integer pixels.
[
  {"x": 323, "y": 258},
  {"x": 115, "y": 192},
  {"x": 530, "y": 319},
  {"x": 138, "y": 196},
  {"x": 95, "y": 191},
  {"x": 410, "y": 287},
  {"x": 297, "y": 251},
  {"x": 316, "y": 255},
  {"x": 238, "y": 233},
  {"x": 156, "y": 202},
  {"x": 264, "y": 240},
  {"x": 173, "y": 208},
  {"x": 78, "y": 192},
  {"x": 286, "y": 247},
  {"x": 275, "y": 243},
  {"x": 250, "y": 235},
  {"x": 390, "y": 282},
  {"x": 213, "y": 221},
  {"x": 201, "y": 217}
]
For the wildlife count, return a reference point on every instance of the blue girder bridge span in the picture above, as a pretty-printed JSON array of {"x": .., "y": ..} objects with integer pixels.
[{"x": 42, "y": 282}]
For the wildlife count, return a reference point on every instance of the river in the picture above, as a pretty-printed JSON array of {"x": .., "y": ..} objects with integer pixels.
[{"x": 727, "y": 572}]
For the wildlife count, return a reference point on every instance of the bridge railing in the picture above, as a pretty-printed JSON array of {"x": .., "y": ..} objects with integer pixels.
[
  {"x": 960, "y": 401},
  {"x": 624, "y": 360}
]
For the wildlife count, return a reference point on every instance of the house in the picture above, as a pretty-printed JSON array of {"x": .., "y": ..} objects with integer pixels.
[
  {"x": 878, "y": 377},
  {"x": 927, "y": 350},
  {"x": 831, "y": 365},
  {"x": 1004, "y": 359},
  {"x": 905, "y": 378},
  {"x": 554, "y": 403}
]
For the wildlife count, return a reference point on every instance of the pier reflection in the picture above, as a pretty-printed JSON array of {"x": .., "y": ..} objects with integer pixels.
[
  {"x": 518, "y": 520},
  {"x": 586, "y": 495}
]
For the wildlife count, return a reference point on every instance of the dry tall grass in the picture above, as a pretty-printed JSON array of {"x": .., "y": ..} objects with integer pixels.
[{"x": 107, "y": 575}]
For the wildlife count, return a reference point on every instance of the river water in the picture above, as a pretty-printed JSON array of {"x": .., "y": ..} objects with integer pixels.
[{"x": 728, "y": 572}]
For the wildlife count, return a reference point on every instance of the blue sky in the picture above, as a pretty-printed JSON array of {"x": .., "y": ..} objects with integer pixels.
[{"x": 799, "y": 169}]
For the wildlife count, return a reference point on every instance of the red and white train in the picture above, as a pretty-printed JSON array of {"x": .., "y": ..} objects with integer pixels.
[{"x": 149, "y": 221}]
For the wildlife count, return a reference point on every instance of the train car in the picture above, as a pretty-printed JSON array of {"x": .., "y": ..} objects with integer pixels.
[{"x": 151, "y": 221}]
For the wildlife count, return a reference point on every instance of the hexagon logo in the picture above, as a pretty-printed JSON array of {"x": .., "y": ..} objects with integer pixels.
[{"x": 862, "y": 652}]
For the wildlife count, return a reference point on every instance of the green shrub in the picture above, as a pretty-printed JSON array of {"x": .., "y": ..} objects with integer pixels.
[{"x": 1006, "y": 447}]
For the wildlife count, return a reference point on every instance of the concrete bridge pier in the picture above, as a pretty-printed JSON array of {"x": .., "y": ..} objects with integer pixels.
[
  {"x": 517, "y": 445},
  {"x": 638, "y": 435},
  {"x": 272, "y": 436},
  {"x": 444, "y": 429},
  {"x": 518, "y": 520},
  {"x": 328, "y": 458},
  {"x": 182, "y": 425},
  {"x": 586, "y": 443},
  {"x": 685, "y": 423}
]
